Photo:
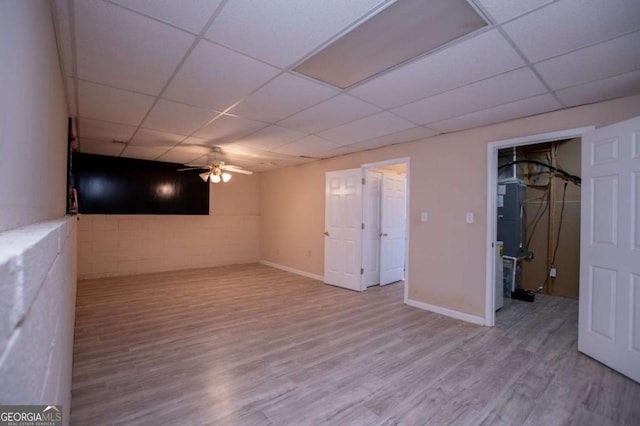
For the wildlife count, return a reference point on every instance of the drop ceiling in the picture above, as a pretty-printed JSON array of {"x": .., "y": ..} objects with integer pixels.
[{"x": 168, "y": 79}]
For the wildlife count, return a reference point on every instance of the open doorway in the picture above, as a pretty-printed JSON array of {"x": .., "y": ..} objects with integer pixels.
[
  {"x": 609, "y": 241},
  {"x": 533, "y": 219},
  {"x": 346, "y": 197},
  {"x": 538, "y": 221},
  {"x": 384, "y": 224}
]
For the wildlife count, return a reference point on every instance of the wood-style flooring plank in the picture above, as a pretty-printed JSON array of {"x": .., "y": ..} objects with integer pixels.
[{"x": 252, "y": 345}]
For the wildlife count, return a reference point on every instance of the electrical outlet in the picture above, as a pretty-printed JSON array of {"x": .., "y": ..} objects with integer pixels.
[
  {"x": 423, "y": 217},
  {"x": 552, "y": 272},
  {"x": 469, "y": 217}
]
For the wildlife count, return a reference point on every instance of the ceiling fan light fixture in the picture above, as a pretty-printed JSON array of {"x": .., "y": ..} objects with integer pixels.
[
  {"x": 226, "y": 177},
  {"x": 204, "y": 176},
  {"x": 215, "y": 178}
]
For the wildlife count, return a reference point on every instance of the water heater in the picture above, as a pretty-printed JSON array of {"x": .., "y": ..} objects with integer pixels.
[{"x": 512, "y": 219}]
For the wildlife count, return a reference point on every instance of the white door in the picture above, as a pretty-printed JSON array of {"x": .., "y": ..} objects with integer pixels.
[
  {"x": 392, "y": 229},
  {"x": 609, "y": 314},
  {"x": 371, "y": 233},
  {"x": 343, "y": 233}
]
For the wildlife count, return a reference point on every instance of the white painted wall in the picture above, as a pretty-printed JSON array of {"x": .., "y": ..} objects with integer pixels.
[
  {"x": 33, "y": 116},
  {"x": 37, "y": 241},
  {"x": 448, "y": 177}
]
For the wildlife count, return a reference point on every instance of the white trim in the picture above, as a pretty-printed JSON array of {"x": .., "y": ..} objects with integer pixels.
[
  {"x": 474, "y": 319},
  {"x": 408, "y": 231},
  {"x": 492, "y": 181},
  {"x": 292, "y": 270}
]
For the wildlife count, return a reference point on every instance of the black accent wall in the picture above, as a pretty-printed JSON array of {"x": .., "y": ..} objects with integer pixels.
[{"x": 116, "y": 185}]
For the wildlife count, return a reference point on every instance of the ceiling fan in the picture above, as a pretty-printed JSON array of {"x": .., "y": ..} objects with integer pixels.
[{"x": 216, "y": 171}]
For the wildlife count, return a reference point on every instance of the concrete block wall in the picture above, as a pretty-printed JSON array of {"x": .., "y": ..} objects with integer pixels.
[
  {"x": 37, "y": 240},
  {"x": 110, "y": 245},
  {"x": 37, "y": 299}
]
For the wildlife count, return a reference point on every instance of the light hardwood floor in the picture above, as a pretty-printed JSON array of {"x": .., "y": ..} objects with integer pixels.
[{"x": 252, "y": 345}]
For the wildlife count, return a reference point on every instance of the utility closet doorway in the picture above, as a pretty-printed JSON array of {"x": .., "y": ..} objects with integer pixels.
[
  {"x": 538, "y": 221},
  {"x": 609, "y": 306},
  {"x": 384, "y": 225}
]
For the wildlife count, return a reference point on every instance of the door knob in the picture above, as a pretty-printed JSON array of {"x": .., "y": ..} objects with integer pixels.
[
  {"x": 326, "y": 233},
  {"x": 384, "y": 234}
]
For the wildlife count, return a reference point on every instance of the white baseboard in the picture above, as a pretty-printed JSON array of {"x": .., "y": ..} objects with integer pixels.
[
  {"x": 448, "y": 312},
  {"x": 292, "y": 270}
]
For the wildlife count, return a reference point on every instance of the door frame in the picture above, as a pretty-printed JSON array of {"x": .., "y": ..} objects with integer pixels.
[
  {"x": 407, "y": 161},
  {"x": 366, "y": 203},
  {"x": 388, "y": 243},
  {"x": 492, "y": 210}
]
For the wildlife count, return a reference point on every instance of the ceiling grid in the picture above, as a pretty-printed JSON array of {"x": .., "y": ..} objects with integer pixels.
[{"x": 174, "y": 79}]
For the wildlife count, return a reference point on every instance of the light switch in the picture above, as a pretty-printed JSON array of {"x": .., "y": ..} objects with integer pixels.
[
  {"x": 423, "y": 217},
  {"x": 469, "y": 217}
]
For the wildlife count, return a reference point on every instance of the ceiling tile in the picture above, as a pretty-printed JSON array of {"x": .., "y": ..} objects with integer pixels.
[
  {"x": 271, "y": 137},
  {"x": 63, "y": 36},
  {"x": 71, "y": 97},
  {"x": 257, "y": 159},
  {"x": 343, "y": 150},
  {"x": 296, "y": 161},
  {"x": 189, "y": 15},
  {"x": 109, "y": 104},
  {"x": 184, "y": 153},
  {"x": 89, "y": 146},
  {"x": 504, "y": 10},
  {"x": 215, "y": 77},
  {"x": 200, "y": 145},
  {"x": 156, "y": 139},
  {"x": 512, "y": 110},
  {"x": 307, "y": 146},
  {"x": 373, "y": 126},
  {"x": 615, "y": 57},
  {"x": 123, "y": 49},
  {"x": 571, "y": 24},
  {"x": 401, "y": 32},
  {"x": 281, "y": 97},
  {"x": 601, "y": 90},
  {"x": 177, "y": 118},
  {"x": 504, "y": 88},
  {"x": 413, "y": 134},
  {"x": 330, "y": 113},
  {"x": 471, "y": 60},
  {"x": 194, "y": 147},
  {"x": 197, "y": 143},
  {"x": 236, "y": 152},
  {"x": 280, "y": 32},
  {"x": 584, "y": 50},
  {"x": 104, "y": 131},
  {"x": 142, "y": 152},
  {"x": 179, "y": 157},
  {"x": 228, "y": 127}
]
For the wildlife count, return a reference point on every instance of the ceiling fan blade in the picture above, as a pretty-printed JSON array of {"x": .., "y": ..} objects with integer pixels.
[
  {"x": 236, "y": 169},
  {"x": 202, "y": 166},
  {"x": 190, "y": 168}
]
